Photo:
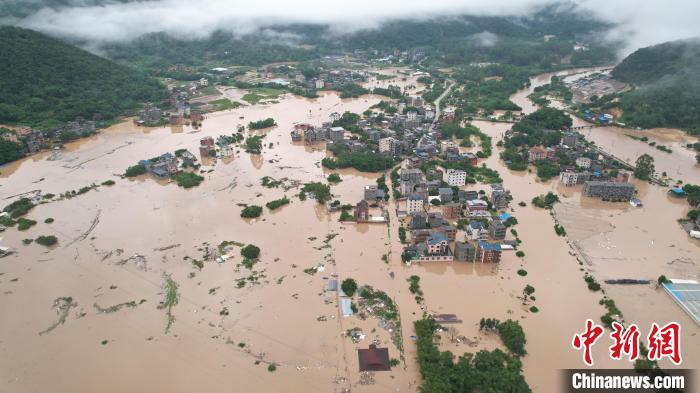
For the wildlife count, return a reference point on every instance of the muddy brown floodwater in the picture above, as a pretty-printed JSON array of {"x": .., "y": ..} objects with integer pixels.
[{"x": 117, "y": 243}]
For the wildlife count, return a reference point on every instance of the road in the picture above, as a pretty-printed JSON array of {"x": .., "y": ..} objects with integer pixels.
[{"x": 437, "y": 103}]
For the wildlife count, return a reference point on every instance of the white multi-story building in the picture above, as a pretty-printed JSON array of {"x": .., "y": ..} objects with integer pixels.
[
  {"x": 568, "y": 178},
  {"x": 414, "y": 203},
  {"x": 455, "y": 177},
  {"x": 335, "y": 116},
  {"x": 583, "y": 162},
  {"x": 319, "y": 83},
  {"x": 411, "y": 115},
  {"x": 388, "y": 145}
]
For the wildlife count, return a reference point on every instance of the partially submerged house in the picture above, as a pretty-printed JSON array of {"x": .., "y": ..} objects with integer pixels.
[{"x": 374, "y": 359}]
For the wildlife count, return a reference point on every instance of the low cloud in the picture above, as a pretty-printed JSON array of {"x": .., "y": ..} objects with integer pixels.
[
  {"x": 485, "y": 39},
  {"x": 638, "y": 23}
]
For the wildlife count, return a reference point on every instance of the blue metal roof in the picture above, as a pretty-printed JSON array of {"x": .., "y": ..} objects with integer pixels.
[
  {"x": 435, "y": 238},
  {"x": 489, "y": 246},
  {"x": 678, "y": 191}
]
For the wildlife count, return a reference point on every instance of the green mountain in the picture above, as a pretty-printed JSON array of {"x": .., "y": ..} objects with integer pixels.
[
  {"x": 667, "y": 81},
  {"x": 457, "y": 40},
  {"x": 45, "y": 82}
]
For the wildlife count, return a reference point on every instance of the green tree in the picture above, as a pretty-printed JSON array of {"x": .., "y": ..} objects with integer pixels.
[
  {"x": 644, "y": 167},
  {"x": 349, "y": 286},
  {"x": 250, "y": 252}
]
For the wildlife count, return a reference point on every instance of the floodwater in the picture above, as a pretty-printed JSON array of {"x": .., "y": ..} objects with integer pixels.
[
  {"x": 680, "y": 164},
  {"x": 116, "y": 244}
]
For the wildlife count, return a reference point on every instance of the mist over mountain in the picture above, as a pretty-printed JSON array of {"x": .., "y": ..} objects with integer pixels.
[{"x": 632, "y": 24}]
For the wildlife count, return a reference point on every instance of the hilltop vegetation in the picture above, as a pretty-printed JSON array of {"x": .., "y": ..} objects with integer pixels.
[
  {"x": 457, "y": 40},
  {"x": 668, "y": 88},
  {"x": 45, "y": 82}
]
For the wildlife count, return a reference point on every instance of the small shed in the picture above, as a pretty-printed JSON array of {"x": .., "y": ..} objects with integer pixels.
[
  {"x": 346, "y": 307},
  {"x": 374, "y": 359}
]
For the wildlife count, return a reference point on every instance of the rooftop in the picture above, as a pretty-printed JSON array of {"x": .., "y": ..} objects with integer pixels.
[{"x": 489, "y": 246}]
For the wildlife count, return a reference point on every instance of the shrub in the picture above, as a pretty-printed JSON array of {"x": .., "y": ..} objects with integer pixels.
[
  {"x": 23, "y": 224},
  {"x": 108, "y": 183},
  {"x": 47, "y": 241},
  {"x": 522, "y": 272},
  {"x": 277, "y": 203},
  {"x": 520, "y": 254},
  {"x": 334, "y": 178},
  {"x": 135, "y": 170},
  {"x": 188, "y": 179},
  {"x": 252, "y": 211},
  {"x": 49, "y": 220},
  {"x": 272, "y": 367},
  {"x": 250, "y": 252},
  {"x": 534, "y": 309}
]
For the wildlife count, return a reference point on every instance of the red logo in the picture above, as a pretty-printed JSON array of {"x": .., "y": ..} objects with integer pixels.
[
  {"x": 665, "y": 341},
  {"x": 587, "y": 339},
  {"x": 626, "y": 342}
]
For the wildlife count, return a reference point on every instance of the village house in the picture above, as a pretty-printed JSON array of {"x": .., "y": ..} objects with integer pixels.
[
  {"x": 571, "y": 178},
  {"x": 361, "y": 212},
  {"x": 569, "y": 139},
  {"x": 206, "y": 145},
  {"x": 414, "y": 203},
  {"x": 446, "y": 194},
  {"x": 188, "y": 159},
  {"x": 488, "y": 252},
  {"x": 536, "y": 153},
  {"x": 389, "y": 145},
  {"x": 465, "y": 252},
  {"x": 455, "y": 177},
  {"x": 372, "y": 193},
  {"x": 476, "y": 231},
  {"x": 451, "y": 210},
  {"x": 449, "y": 231},
  {"x": 583, "y": 162},
  {"x": 467, "y": 195},
  {"x": 471, "y": 158},
  {"x": 336, "y": 134},
  {"x": 227, "y": 151},
  {"x": 477, "y": 205},
  {"x": 435, "y": 219},
  {"x": 497, "y": 230},
  {"x": 150, "y": 115},
  {"x": 419, "y": 220},
  {"x": 499, "y": 196}
]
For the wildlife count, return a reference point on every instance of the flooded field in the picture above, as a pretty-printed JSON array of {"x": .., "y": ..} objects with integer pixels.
[{"x": 124, "y": 243}]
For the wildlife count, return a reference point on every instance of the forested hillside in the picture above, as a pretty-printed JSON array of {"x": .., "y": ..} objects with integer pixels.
[
  {"x": 456, "y": 41},
  {"x": 668, "y": 87},
  {"x": 45, "y": 82}
]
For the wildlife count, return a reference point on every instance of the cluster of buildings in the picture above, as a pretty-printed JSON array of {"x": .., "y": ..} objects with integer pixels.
[
  {"x": 590, "y": 168},
  {"x": 434, "y": 236},
  {"x": 34, "y": 140}
]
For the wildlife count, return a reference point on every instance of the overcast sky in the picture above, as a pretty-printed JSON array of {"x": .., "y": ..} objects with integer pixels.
[{"x": 640, "y": 22}]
